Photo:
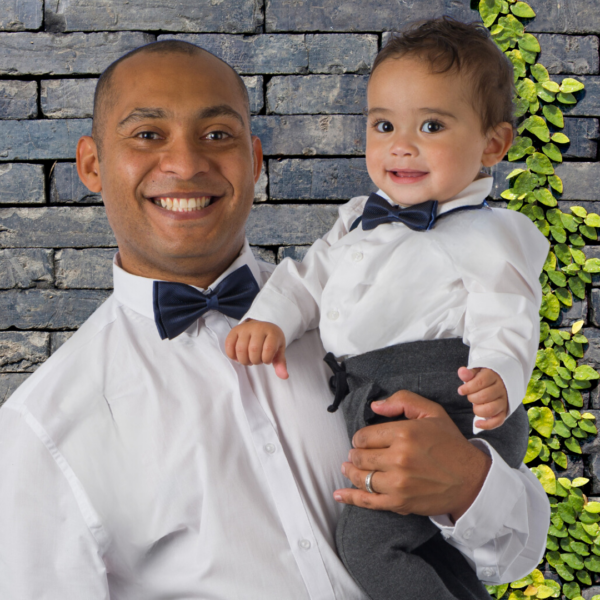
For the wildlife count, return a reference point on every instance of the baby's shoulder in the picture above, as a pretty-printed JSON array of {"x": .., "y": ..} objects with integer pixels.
[{"x": 352, "y": 210}]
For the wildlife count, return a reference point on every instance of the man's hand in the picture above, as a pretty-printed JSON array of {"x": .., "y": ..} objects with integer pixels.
[
  {"x": 256, "y": 343},
  {"x": 423, "y": 465}
]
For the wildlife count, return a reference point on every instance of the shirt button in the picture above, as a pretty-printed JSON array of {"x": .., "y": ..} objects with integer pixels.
[
  {"x": 357, "y": 256},
  {"x": 304, "y": 544},
  {"x": 468, "y": 533},
  {"x": 332, "y": 315},
  {"x": 270, "y": 448},
  {"x": 488, "y": 572}
]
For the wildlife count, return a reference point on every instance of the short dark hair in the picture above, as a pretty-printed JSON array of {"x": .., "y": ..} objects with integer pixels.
[
  {"x": 104, "y": 96},
  {"x": 467, "y": 48}
]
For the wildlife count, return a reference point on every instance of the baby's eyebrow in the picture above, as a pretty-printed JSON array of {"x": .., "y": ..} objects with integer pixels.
[{"x": 437, "y": 111}]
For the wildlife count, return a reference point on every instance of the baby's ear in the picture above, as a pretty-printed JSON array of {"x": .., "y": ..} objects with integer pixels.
[{"x": 500, "y": 138}]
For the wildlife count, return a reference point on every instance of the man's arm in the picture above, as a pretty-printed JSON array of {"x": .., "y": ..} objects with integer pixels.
[
  {"x": 496, "y": 516},
  {"x": 47, "y": 549}
]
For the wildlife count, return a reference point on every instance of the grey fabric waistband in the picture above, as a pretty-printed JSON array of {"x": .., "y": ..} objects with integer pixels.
[{"x": 423, "y": 356}]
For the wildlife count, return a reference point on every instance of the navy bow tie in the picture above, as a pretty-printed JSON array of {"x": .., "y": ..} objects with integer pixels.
[
  {"x": 177, "y": 305},
  {"x": 419, "y": 217}
]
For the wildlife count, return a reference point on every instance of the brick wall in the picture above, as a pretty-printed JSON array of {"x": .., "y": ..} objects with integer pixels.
[{"x": 305, "y": 64}]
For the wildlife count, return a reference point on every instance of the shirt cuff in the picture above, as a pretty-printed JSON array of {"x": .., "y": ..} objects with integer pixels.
[{"x": 484, "y": 519}]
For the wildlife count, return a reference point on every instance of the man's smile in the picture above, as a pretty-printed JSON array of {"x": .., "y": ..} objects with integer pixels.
[{"x": 179, "y": 204}]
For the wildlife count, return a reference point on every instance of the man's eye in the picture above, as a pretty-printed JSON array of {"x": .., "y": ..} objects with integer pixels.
[
  {"x": 384, "y": 127},
  {"x": 216, "y": 135},
  {"x": 148, "y": 135},
  {"x": 431, "y": 127}
]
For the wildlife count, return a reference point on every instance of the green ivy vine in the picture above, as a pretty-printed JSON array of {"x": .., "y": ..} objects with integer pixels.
[{"x": 554, "y": 394}]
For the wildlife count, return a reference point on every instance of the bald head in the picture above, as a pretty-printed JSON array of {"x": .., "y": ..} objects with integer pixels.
[{"x": 107, "y": 90}]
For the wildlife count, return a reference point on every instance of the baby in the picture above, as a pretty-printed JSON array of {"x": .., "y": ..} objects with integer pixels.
[{"x": 416, "y": 281}]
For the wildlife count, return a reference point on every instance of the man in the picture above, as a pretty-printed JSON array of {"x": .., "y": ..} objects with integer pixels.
[{"x": 140, "y": 467}]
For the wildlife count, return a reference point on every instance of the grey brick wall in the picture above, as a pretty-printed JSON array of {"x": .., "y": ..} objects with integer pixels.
[{"x": 305, "y": 65}]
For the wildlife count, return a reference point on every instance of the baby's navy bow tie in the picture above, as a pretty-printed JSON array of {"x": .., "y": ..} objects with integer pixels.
[
  {"x": 419, "y": 217},
  {"x": 178, "y": 305}
]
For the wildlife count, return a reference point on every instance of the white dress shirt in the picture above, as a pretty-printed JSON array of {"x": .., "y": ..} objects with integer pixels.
[
  {"x": 134, "y": 468},
  {"x": 474, "y": 276}
]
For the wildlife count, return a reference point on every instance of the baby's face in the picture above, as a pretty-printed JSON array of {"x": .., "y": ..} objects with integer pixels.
[{"x": 424, "y": 138}]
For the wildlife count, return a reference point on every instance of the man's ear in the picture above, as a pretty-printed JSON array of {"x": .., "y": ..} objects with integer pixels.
[
  {"x": 257, "y": 155},
  {"x": 88, "y": 165},
  {"x": 500, "y": 139}
]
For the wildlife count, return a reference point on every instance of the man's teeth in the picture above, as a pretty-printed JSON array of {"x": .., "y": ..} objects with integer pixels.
[{"x": 183, "y": 204}]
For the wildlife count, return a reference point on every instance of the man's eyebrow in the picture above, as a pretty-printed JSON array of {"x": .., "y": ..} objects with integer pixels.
[
  {"x": 139, "y": 114},
  {"x": 220, "y": 110}
]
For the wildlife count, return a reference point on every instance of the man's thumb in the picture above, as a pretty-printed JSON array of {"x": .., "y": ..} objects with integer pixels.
[{"x": 406, "y": 403}]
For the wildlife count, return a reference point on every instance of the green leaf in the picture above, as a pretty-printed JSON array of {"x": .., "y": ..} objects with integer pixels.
[
  {"x": 565, "y": 572},
  {"x": 574, "y": 561},
  {"x": 550, "y": 308},
  {"x": 519, "y": 66},
  {"x": 523, "y": 10},
  {"x": 585, "y": 373},
  {"x": 573, "y": 445},
  {"x": 592, "y": 265},
  {"x": 568, "y": 420},
  {"x": 579, "y": 481},
  {"x": 489, "y": 10},
  {"x": 521, "y": 107},
  {"x": 559, "y": 279},
  {"x": 514, "y": 173},
  {"x": 543, "y": 93},
  {"x": 562, "y": 430},
  {"x": 592, "y": 220},
  {"x": 577, "y": 287},
  {"x": 569, "y": 85},
  {"x": 579, "y": 211},
  {"x": 567, "y": 513},
  {"x": 521, "y": 146},
  {"x": 588, "y": 426},
  {"x": 525, "y": 182},
  {"x": 576, "y": 240},
  {"x": 534, "y": 447},
  {"x": 571, "y": 590},
  {"x": 539, "y": 163},
  {"x": 560, "y": 138},
  {"x": 530, "y": 43},
  {"x": 573, "y": 397},
  {"x": 560, "y": 458},
  {"x": 546, "y": 477},
  {"x": 562, "y": 252},
  {"x": 543, "y": 195},
  {"x": 542, "y": 420},
  {"x": 526, "y": 89},
  {"x": 578, "y": 256},
  {"x": 555, "y": 183},
  {"x": 568, "y": 222},
  {"x": 538, "y": 71},
  {"x": 535, "y": 390},
  {"x": 528, "y": 57},
  {"x": 593, "y": 564},
  {"x": 534, "y": 106},
  {"x": 554, "y": 443},
  {"x": 564, "y": 297},
  {"x": 566, "y": 98},
  {"x": 584, "y": 577},
  {"x": 551, "y": 86},
  {"x": 554, "y": 115},
  {"x": 537, "y": 126},
  {"x": 554, "y": 216},
  {"x": 547, "y": 362},
  {"x": 558, "y": 233},
  {"x": 552, "y": 152},
  {"x": 592, "y": 507},
  {"x": 588, "y": 232}
]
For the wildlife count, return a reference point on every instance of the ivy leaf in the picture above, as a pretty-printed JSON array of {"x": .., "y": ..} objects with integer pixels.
[
  {"x": 579, "y": 211},
  {"x": 565, "y": 572},
  {"x": 550, "y": 308},
  {"x": 547, "y": 362},
  {"x": 526, "y": 89},
  {"x": 523, "y": 10},
  {"x": 521, "y": 146},
  {"x": 546, "y": 477},
  {"x": 571, "y": 590},
  {"x": 588, "y": 232},
  {"x": 573, "y": 445},
  {"x": 556, "y": 183},
  {"x": 567, "y": 514},
  {"x": 552, "y": 152},
  {"x": 560, "y": 138},
  {"x": 564, "y": 296},
  {"x": 568, "y": 222},
  {"x": 560, "y": 458},
  {"x": 558, "y": 233},
  {"x": 571, "y": 269},
  {"x": 552, "y": 389},
  {"x": 489, "y": 10},
  {"x": 576, "y": 240},
  {"x": 579, "y": 481},
  {"x": 593, "y": 564},
  {"x": 535, "y": 390},
  {"x": 519, "y": 66},
  {"x": 584, "y": 577},
  {"x": 542, "y": 420},
  {"x": 592, "y": 507},
  {"x": 578, "y": 256},
  {"x": 539, "y": 71},
  {"x": 569, "y": 85},
  {"x": 521, "y": 107},
  {"x": 559, "y": 279},
  {"x": 543, "y": 93},
  {"x": 539, "y": 163},
  {"x": 537, "y": 126},
  {"x": 534, "y": 447},
  {"x": 569, "y": 421},
  {"x": 566, "y": 98},
  {"x": 544, "y": 196},
  {"x": 588, "y": 426},
  {"x": 585, "y": 373},
  {"x": 528, "y": 56},
  {"x": 580, "y": 547},
  {"x": 574, "y": 561},
  {"x": 551, "y": 86},
  {"x": 593, "y": 220},
  {"x": 562, "y": 252},
  {"x": 577, "y": 287},
  {"x": 530, "y": 43},
  {"x": 525, "y": 182},
  {"x": 554, "y": 115},
  {"x": 592, "y": 265}
]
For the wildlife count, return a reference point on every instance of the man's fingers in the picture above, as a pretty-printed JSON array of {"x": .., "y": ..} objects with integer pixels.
[
  {"x": 409, "y": 404},
  {"x": 362, "y": 499}
]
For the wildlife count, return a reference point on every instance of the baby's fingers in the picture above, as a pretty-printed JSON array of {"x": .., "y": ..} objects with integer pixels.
[
  {"x": 490, "y": 409},
  {"x": 230, "y": 344},
  {"x": 280, "y": 364},
  {"x": 490, "y": 423}
]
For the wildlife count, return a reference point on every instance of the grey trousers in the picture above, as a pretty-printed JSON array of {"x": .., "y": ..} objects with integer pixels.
[{"x": 404, "y": 557}]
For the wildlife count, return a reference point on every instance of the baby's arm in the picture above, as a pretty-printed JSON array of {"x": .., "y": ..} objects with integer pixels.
[
  {"x": 485, "y": 389},
  {"x": 257, "y": 343}
]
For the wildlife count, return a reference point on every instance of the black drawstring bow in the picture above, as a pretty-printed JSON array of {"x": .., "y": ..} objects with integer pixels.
[{"x": 338, "y": 382}]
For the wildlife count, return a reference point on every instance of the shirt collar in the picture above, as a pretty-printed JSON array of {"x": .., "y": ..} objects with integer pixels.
[
  {"x": 475, "y": 193},
  {"x": 136, "y": 292}
]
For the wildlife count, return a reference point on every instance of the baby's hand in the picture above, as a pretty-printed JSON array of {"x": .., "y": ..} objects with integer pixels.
[
  {"x": 485, "y": 390},
  {"x": 256, "y": 343}
]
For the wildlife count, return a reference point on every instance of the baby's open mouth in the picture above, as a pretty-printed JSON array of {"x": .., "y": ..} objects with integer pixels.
[{"x": 183, "y": 204}]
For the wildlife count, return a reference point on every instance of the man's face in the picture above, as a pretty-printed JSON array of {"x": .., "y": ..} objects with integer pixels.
[
  {"x": 424, "y": 138},
  {"x": 178, "y": 166}
]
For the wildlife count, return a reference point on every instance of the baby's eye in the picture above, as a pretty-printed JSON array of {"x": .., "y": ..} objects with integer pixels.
[
  {"x": 431, "y": 127},
  {"x": 216, "y": 136},
  {"x": 384, "y": 126}
]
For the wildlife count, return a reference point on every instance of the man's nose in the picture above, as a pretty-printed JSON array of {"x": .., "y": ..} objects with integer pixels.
[{"x": 184, "y": 158}]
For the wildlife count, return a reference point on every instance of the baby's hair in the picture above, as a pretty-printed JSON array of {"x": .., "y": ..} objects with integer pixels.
[{"x": 466, "y": 48}]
